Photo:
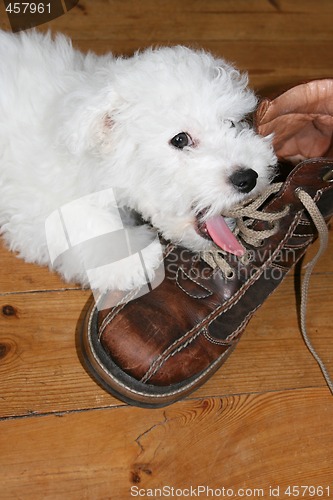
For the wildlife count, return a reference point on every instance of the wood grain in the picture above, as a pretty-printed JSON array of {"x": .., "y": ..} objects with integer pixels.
[
  {"x": 276, "y": 45},
  {"x": 265, "y": 418},
  {"x": 241, "y": 441}
]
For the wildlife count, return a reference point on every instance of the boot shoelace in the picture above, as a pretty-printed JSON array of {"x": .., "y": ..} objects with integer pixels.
[{"x": 245, "y": 215}]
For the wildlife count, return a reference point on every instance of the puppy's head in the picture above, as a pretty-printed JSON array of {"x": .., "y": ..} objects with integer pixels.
[{"x": 172, "y": 133}]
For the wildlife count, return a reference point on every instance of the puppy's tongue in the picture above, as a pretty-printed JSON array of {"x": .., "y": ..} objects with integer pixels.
[{"x": 221, "y": 234}]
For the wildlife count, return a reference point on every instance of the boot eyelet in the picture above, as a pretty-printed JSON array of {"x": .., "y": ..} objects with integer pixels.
[
  {"x": 231, "y": 274},
  {"x": 328, "y": 177}
]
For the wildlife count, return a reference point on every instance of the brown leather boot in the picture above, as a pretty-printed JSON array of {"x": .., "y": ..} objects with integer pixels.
[{"x": 158, "y": 348}]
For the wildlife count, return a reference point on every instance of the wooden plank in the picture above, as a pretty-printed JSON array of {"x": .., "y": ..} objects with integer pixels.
[
  {"x": 256, "y": 441},
  {"x": 160, "y": 21},
  {"x": 165, "y": 21},
  {"x": 40, "y": 369},
  {"x": 256, "y": 38},
  {"x": 21, "y": 276},
  {"x": 288, "y": 67}
]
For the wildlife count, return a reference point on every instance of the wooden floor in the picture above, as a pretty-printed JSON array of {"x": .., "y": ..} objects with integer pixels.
[{"x": 265, "y": 420}]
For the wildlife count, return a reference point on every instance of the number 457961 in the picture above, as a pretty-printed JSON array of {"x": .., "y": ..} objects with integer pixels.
[
  {"x": 309, "y": 491},
  {"x": 28, "y": 8}
]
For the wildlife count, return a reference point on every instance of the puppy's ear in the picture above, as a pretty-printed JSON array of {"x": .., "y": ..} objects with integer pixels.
[{"x": 86, "y": 120}]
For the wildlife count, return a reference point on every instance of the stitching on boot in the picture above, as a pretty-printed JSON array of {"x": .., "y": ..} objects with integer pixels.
[
  {"x": 156, "y": 365},
  {"x": 209, "y": 292},
  {"x": 233, "y": 335},
  {"x": 115, "y": 310}
]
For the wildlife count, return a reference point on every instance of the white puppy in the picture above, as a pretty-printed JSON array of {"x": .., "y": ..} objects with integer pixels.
[{"x": 163, "y": 133}]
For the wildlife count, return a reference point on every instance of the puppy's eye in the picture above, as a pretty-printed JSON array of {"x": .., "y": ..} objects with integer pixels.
[{"x": 181, "y": 140}]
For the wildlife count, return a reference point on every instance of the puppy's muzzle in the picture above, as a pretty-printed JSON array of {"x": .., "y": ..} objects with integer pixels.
[{"x": 244, "y": 179}]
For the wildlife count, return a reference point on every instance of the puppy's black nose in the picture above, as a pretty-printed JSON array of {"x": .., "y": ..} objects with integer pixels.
[{"x": 244, "y": 179}]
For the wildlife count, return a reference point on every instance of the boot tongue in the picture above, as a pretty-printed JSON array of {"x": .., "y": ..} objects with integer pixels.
[{"x": 222, "y": 236}]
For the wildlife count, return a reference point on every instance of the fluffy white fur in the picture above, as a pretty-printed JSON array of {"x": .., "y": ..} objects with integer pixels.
[{"x": 72, "y": 124}]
